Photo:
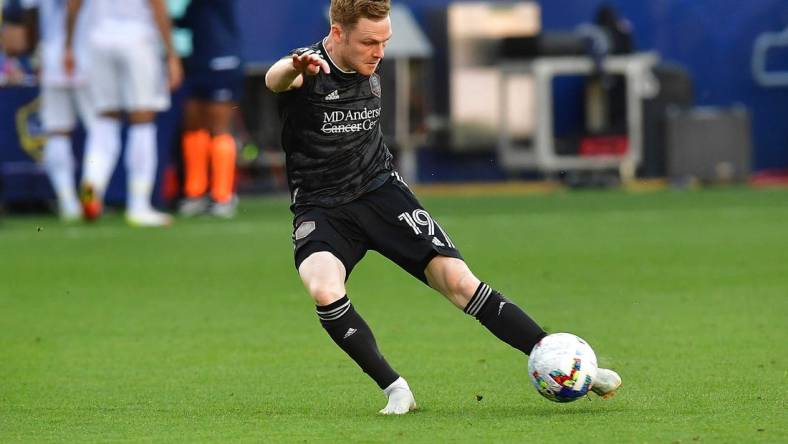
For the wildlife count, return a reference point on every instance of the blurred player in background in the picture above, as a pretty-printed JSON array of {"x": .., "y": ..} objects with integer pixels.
[
  {"x": 126, "y": 77},
  {"x": 347, "y": 198},
  {"x": 64, "y": 97},
  {"x": 213, "y": 82},
  {"x": 13, "y": 44}
]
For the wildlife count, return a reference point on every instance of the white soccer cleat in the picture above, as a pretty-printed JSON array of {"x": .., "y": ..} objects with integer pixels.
[
  {"x": 70, "y": 212},
  {"x": 401, "y": 399},
  {"x": 225, "y": 210},
  {"x": 193, "y": 206},
  {"x": 606, "y": 383},
  {"x": 148, "y": 218}
]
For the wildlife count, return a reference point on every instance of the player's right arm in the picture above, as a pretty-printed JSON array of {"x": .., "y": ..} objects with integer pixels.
[
  {"x": 288, "y": 73},
  {"x": 164, "y": 25},
  {"x": 72, "y": 10}
]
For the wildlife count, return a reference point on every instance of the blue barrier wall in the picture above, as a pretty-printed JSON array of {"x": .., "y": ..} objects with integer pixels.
[
  {"x": 24, "y": 181},
  {"x": 712, "y": 38}
]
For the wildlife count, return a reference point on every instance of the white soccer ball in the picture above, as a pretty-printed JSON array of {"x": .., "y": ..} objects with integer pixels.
[{"x": 562, "y": 367}]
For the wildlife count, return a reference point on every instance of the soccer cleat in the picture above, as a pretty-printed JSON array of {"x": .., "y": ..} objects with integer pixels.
[
  {"x": 193, "y": 206},
  {"x": 70, "y": 212},
  {"x": 148, "y": 218},
  {"x": 91, "y": 204},
  {"x": 401, "y": 399},
  {"x": 606, "y": 383},
  {"x": 225, "y": 210}
]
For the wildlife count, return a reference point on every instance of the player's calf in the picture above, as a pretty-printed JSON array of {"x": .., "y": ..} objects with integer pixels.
[
  {"x": 353, "y": 335},
  {"x": 504, "y": 319}
]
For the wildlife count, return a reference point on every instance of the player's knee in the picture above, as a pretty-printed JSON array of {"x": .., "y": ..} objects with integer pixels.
[
  {"x": 219, "y": 128},
  {"x": 218, "y": 132},
  {"x": 62, "y": 132},
  {"x": 462, "y": 284},
  {"x": 137, "y": 117},
  {"x": 324, "y": 294},
  {"x": 453, "y": 279},
  {"x": 116, "y": 115}
]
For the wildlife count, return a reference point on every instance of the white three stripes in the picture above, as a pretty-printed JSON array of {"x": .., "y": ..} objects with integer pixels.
[
  {"x": 335, "y": 313},
  {"x": 478, "y": 302}
]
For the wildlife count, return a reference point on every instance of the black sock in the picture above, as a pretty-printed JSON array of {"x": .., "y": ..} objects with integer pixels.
[
  {"x": 352, "y": 334},
  {"x": 504, "y": 319}
]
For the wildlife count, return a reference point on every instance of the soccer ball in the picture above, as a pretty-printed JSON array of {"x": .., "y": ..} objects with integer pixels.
[{"x": 562, "y": 367}]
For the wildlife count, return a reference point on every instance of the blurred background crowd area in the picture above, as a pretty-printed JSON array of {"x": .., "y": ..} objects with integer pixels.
[{"x": 581, "y": 92}]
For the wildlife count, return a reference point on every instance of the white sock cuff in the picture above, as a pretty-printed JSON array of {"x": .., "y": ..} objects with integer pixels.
[
  {"x": 58, "y": 138},
  {"x": 400, "y": 383},
  {"x": 107, "y": 125},
  {"x": 147, "y": 126}
]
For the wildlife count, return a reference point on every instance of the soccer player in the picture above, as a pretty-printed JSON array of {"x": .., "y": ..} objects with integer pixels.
[
  {"x": 347, "y": 198},
  {"x": 126, "y": 77},
  {"x": 63, "y": 97},
  {"x": 213, "y": 82}
]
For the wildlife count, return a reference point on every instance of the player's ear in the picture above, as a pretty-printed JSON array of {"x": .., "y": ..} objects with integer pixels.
[{"x": 337, "y": 33}]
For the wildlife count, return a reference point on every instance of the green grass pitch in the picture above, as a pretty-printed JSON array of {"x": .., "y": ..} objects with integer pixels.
[{"x": 203, "y": 333}]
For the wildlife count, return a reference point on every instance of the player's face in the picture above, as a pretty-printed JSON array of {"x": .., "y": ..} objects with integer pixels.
[{"x": 365, "y": 44}]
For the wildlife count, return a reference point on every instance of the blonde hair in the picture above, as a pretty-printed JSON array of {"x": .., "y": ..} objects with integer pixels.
[{"x": 348, "y": 12}]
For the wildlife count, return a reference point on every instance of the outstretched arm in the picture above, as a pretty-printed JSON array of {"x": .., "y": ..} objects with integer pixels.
[
  {"x": 288, "y": 73},
  {"x": 71, "y": 19},
  {"x": 162, "y": 19}
]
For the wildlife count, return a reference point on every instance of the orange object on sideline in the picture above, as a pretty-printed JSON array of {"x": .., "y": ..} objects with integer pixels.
[
  {"x": 196, "y": 146},
  {"x": 612, "y": 145},
  {"x": 222, "y": 168},
  {"x": 170, "y": 184}
]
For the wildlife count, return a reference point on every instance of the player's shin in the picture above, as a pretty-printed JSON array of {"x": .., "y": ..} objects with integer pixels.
[
  {"x": 196, "y": 149},
  {"x": 504, "y": 319},
  {"x": 141, "y": 158},
  {"x": 59, "y": 165},
  {"x": 102, "y": 149},
  {"x": 353, "y": 335},
  {"x": 222, "y": 168}
]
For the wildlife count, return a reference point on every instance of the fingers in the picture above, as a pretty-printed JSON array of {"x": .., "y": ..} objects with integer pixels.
[
  {"x": 311, "y": 70},
  {"x": 175, "y": 79},
  {"x": 175, "y": 72},
  {"x": 68, "y": 63},
  {"x": 324, "y": 66},
  {"x": 310, "y": 64}
]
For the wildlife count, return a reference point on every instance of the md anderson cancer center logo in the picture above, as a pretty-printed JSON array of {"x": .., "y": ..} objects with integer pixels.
[{"x": 344, "y": 122}]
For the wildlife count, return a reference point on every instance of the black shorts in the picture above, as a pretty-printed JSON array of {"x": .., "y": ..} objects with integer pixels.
[
  {"x": 215, "y": 86},
  {"x": 389, "y": 220}
]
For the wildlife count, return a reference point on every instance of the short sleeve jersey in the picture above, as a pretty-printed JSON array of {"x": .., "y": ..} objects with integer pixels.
[{"x": 332, "y": 137}]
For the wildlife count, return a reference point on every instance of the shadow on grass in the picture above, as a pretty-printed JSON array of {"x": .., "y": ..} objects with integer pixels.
[{"x": 515, "y": 412}]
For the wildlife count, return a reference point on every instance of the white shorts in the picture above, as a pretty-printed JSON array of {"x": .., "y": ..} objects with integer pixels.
[
  {"x": 128, "y": 77},
  {"x": 62, "y": 105}
]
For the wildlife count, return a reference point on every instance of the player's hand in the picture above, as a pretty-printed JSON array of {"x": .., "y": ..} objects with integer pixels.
[
  {"x": 310, "y": 64},
  {"x": 174, "y": 72},
  {"x": 68, "y": 61}
]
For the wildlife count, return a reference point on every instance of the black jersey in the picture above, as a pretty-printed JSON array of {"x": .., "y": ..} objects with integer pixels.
[{"x": 331, "y": 136}]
